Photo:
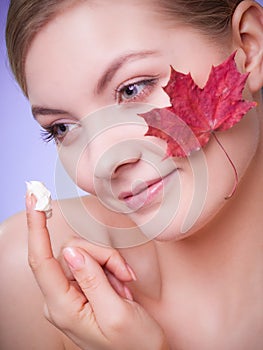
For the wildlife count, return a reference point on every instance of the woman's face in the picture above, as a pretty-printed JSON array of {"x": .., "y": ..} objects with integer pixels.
[{"x": 90, "y": 72}]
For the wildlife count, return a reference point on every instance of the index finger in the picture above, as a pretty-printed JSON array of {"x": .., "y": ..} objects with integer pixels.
[
  {"x": 107, "y": 257},
  {"x": 47, "y": 270}
]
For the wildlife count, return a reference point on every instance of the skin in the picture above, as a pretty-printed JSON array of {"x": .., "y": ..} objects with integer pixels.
[{"x": 215, "y": 273}]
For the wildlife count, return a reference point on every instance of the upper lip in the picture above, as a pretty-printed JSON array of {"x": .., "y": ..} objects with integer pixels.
[{"x": 141, "y": 187}]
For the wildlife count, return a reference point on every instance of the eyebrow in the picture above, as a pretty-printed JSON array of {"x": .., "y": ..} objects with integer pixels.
[
  {"x": 105, "y": 79},
  {"x": 36, "y": 110},
  {"x": 118, "y": 63}
]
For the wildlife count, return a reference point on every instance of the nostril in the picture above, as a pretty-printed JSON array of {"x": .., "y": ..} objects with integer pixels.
[
  {"x": 124, "y": 165},
  {"x": 116, "y": 159}
]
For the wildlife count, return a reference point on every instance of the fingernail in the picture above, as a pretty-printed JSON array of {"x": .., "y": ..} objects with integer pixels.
[
  {"x": 29, "y": 201},
  {"x": 74, "y": 258},
  {"x": 133, "y": 276},
  {"x": 128, "y": 293}
]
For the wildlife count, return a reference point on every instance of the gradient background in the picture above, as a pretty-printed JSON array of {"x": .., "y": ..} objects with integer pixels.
[{"x": 23, "y": 155}]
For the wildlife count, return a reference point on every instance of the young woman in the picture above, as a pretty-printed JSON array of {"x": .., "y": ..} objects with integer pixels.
[{"x": 167, "y": 281}]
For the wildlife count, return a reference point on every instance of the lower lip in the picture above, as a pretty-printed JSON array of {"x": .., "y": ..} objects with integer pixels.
[{"x": 148, "y": 196}]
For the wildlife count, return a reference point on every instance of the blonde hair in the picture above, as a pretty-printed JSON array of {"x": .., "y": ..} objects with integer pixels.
[{"x": 27, "y": 17}]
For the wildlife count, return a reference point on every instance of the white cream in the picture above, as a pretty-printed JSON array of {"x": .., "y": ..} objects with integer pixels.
[{"x": 42, "y": 195}]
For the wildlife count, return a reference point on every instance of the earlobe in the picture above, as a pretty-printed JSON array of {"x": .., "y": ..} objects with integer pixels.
[{"x": 247, "y": 29}]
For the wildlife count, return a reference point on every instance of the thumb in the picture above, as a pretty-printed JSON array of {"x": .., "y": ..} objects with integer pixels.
[{"x": 93, "y": 282}]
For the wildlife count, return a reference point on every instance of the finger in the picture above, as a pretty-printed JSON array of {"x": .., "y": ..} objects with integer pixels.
[
  {"x": 108, "y": 257},
  {"x": 118, "y": 286},
  {"x": 45, "y": 267},
  {"x": 92, "y": 280}
]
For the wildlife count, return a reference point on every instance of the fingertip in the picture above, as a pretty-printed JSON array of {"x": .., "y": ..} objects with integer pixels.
[
  {"x": 74, "y": 258},
  {"x": 125, "y": 272},
  {"x": 29, "y": 201},
  {"x": 120, "y": 268},
  {"x": 35, "y": 219},
  {"x": 131, "y": 272},
  {"x": 128, "y": 293}
]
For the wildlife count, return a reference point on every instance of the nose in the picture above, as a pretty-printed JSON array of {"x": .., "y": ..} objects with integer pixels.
[
  {"x": 117, "y": 158},
  {"x": 113, "y": 141}
]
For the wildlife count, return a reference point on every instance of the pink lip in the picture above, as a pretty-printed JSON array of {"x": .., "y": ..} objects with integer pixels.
[{"x": 145, "y": 193}]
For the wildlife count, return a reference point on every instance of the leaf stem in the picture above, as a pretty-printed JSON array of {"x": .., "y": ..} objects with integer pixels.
[{"x": 231, "y": 163}]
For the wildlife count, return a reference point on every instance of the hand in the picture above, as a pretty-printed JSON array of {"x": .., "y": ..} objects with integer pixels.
[{"x": 91, "y": 313}]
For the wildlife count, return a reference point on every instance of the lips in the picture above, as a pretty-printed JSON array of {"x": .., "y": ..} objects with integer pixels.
[
  {"x": 138, "y": 189},
  {"x": 144, "y": 193}
]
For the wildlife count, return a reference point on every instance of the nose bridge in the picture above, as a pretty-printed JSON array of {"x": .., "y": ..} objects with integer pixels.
[{"x": 111, "y": 134}]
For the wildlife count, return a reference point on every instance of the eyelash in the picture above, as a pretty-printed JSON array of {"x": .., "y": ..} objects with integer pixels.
[
  {"x": 146, "y": 90},
  {"x": 50, "y": 133}
]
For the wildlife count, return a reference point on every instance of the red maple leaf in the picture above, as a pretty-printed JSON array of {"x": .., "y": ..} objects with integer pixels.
[
  {"x": 196, "y": 113},
  {"x": 216, "y": 107}
]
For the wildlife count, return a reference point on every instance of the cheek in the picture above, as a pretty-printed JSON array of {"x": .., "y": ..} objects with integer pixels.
[
  {"x": 240, "y": 143},
  {"x": 84, "y": 173},
  {"x": 84, "y": 178},
  {"x": 73, "y": 169},
  {"x": 182, "y": 203},
  {"x": 206, "y": 183}
]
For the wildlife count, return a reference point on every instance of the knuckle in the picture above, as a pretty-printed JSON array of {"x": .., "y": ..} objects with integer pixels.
[
  {"x": 115, "y": 255},
  {"x": 117, "y": 320},
  {"x": 58, "y": 317},
  {"x": 89, "y": 282},
  {"x": 115, "y": 258},
  {"x": 29, "y": 219},
  {"x": 33, "y": 262},
  {"x": 36, "y": 262},
  {"x": 57, "y": 320},
  {"x": 47, "y": 314}
]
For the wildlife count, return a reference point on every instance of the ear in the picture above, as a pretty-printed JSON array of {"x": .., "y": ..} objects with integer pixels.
[{"x": 247, "y": 29}]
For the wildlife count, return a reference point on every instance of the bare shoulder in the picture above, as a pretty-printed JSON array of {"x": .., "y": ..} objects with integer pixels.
[
  {"x": 13, "y": 233},
  {"x": 13, "y": 236}
]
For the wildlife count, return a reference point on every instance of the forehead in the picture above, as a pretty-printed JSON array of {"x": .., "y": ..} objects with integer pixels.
[
  {"x": 85, "y": 37},
  {"x": 69, "y": 55}
]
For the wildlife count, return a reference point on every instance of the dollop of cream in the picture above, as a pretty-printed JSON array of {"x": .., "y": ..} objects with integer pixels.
[{"x": 43, "y": 196}]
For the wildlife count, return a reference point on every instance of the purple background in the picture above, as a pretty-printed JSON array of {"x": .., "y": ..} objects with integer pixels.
[{"x": 23, "y": 155}]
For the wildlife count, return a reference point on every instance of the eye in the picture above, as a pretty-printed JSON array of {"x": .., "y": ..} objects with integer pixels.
[
  {"x": 135, "y": 91},
  {"x": 132, "y": 90},
  {"x": 57, "y": 132}
]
